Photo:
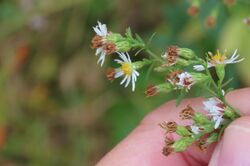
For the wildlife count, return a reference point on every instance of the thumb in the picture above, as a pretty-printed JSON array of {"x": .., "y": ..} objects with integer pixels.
[{"x": 234, "y": 148}]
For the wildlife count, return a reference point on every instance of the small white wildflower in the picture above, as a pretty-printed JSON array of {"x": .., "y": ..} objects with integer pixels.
[
  {"x": 127, "y": 70},
  {"x": 99, "y": 42},
  {"x": 219, "y": 58}
]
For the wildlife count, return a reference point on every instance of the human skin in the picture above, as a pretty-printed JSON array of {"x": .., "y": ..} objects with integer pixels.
[{"x": 144, "y": 144}]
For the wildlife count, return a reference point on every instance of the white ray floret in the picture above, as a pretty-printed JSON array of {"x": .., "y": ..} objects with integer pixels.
[
  {"x": 101, "y": 29},
  {"x": 127, "y": 70},
  {"x": 212, "y": 106}
]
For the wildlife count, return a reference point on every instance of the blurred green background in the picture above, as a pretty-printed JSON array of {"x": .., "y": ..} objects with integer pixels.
[{"x": 57, "y": 108}]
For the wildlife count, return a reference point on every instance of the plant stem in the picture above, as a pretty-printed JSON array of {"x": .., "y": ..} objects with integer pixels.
[{"x": 153, "y": 55}]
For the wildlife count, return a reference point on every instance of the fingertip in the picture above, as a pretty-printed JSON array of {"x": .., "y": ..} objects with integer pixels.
[{"x": 234, "y": 148}]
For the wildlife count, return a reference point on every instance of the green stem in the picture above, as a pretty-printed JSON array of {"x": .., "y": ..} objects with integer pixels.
[{"x": 153, "y": 55}]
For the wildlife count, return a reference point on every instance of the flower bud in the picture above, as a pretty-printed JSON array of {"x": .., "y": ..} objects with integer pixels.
[
  {"x": 200, "y": 77},
  {"x": 183, "y": 131},
  {"x": 140, "y": 64},
  {"x": 183, "y": 144},
  {"x": 153, "y": 90},
  {"x": 123, "y": 46},
  {"x": 201, "y": 119},
  {"x": 176, "y": 55},
  {"x": 186, "y": 53},
  {"x": 114, "y": 37},
  {"x": 230, "y": 113}
]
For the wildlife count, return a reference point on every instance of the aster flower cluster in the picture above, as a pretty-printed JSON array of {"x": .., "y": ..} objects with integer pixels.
[
  {"x": 183, "y": 69},
  {"x": 203, "y": 129}
]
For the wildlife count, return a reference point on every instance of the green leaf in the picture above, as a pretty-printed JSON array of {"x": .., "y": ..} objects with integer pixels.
[{"x": 129, "y": 33}]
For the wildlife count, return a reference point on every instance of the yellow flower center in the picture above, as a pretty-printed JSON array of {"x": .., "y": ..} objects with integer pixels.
[
  {"x": 127, "y": 68},
  {"x": 218, "y": 58}
]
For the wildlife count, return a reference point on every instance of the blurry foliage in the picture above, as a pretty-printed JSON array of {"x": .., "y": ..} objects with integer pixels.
[{"x": 56, "y": 106}]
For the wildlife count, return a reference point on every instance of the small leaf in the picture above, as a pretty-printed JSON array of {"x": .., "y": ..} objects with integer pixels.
[{"x": 129, "y": 33}]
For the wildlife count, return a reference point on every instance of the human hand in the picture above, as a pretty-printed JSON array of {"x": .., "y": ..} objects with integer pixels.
[{"x": 144, "y": 145}]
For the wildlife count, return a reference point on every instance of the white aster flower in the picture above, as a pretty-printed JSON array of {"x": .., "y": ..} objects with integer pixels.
[
  {"x": 99, "y": 42},
  {"x": 215, "y": 109},
  {"x": 127, "y": 70},
  {"x": 219, "y": 58}
]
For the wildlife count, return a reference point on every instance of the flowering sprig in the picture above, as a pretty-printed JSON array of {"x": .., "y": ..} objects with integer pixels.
[{"x": 183, "y": 70}]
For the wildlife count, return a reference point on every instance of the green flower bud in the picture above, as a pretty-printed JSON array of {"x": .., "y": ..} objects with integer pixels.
[
  {"x": 186, "y": 53},
  {"x": 213, "y": 138},
  {"x": 208, "y": 127},
  {"x": 183, "y": 131},
  {"x": 123, "y": 46},
  {"x": 114, "y": 37},
  {"x": 201, "y": 119},
  {"x": 220, "y": 71},
  {"x": 140, "y": 64},
  {"x": 183, "y": 144},
  {"x": 182, "y": 62},
  {"x": 153, "y": 90},
  {"x": 230, "y": 113},
  {"x": 200, "y": 77}
]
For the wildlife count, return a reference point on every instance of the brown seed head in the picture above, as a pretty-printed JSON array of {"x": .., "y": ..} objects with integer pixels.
[
  {"x": 97, "y": 41},
  {"x": 187, "y": 113},
  {"x": 151, "y": 91},
  {"x": 193, "y": 11},
  {"x": 172, "y": 55},
  {"x": 167, "y": 150},
  {"x": 173, "y": 77},
  {"x": 110, "y": 48},
  {"x": 202, "y": 144},
  {"x": 211, "y": 21},
  {"x": 170, "y": 127},
  {"x": 110, "y": 74}
]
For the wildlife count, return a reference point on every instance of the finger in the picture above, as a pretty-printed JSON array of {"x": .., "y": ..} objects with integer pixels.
[
  {"x": 234, "y": 148},
  {"x": 143, "y": 146}
]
